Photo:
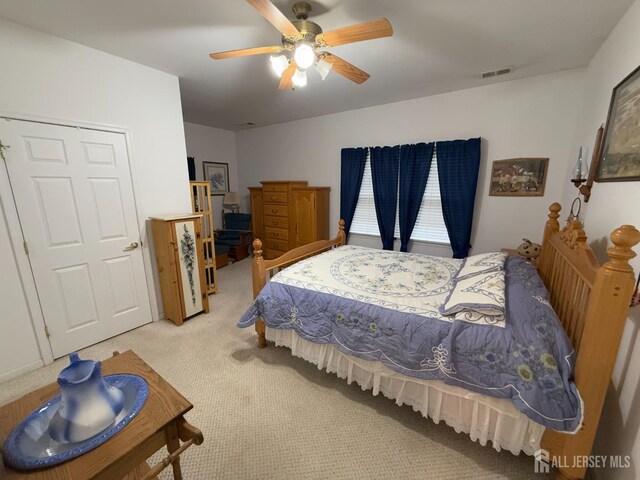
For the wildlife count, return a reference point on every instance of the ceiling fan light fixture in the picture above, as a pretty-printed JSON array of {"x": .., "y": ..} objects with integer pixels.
[
  {"x": 305, "y": 56},
  {"x": 323, "y": 67},
  {"x": 299, "y": 78},
  {"x": 279, "y": 64}
]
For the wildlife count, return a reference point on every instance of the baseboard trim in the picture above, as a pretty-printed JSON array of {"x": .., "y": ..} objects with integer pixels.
[{"x": 19, "y": 371}]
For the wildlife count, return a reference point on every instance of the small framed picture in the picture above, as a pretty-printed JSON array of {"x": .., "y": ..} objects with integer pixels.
[
  {"x": 218, "y": 175},
  {"x": 620, "y": 159},
  {"x": 518, "y": 177}
]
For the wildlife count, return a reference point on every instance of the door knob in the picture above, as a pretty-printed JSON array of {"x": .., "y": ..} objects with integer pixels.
[{"x": 132, "y": 246}]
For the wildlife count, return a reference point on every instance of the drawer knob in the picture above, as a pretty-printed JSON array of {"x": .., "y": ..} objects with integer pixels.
[
  {"x": 276, "y": 234},
  {"x": 274, "y": 222},
  {"x": 273, "y": 197},
  {"x": 273, "y": 210}
]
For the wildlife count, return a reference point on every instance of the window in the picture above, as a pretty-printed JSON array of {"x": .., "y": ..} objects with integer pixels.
[{"x": 429, "y": 226}]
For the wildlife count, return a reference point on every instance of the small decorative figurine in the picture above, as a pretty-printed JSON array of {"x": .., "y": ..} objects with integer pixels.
[
  {"x": 89, "y": 404},
  {"x": 528, "y": 249}
]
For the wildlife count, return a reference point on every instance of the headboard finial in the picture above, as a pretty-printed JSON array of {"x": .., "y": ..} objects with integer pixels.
[
  {"x": 554, "y": 214},
  {"x": 552, "y": 224},
  {"x": 624, "y": 238}
]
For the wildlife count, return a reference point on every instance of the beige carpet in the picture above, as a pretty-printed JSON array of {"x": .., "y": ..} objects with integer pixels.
[{"x": 267, "y": 415}]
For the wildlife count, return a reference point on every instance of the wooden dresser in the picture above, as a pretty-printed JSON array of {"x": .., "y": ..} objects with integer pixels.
[{"x": 286, "y": 215}]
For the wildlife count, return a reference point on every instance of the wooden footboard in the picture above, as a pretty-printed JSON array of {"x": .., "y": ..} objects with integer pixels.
[
  {"x": 262, "y": 268},
  {"x": 592, "y": 302}
]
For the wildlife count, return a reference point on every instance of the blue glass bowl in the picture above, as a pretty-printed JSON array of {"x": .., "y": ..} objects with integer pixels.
[{"x": 29, "y": 445}]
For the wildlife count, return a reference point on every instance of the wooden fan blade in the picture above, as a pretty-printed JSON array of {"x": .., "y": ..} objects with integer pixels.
[
  {"x": 356, "y": 33},
  {"x": 285, "y": 79},
  {"x": 345, "y": 69},
  {"x": 275, "y": 17},
  {"x": 246, "y": 51}
]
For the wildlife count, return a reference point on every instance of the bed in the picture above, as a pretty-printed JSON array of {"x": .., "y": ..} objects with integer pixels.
[{"x": 484, "y": 392}]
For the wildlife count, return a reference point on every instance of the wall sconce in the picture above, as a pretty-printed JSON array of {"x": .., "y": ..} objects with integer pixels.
[
  {"x": 584, "y": 185},
  {"x": 578, "y": 177}
]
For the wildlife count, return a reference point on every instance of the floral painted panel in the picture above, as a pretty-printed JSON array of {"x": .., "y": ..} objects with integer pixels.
[{"x": 189, "y": 268}]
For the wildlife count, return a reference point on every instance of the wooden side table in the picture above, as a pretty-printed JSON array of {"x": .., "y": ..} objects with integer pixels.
[{"x": 159, "y": 423}]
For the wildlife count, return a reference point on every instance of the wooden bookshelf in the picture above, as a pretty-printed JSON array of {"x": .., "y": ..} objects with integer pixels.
[{"x": 201, "y": 204}]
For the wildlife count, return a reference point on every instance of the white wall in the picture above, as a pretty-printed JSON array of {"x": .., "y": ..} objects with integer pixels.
[
  {"x": 208, "y": 144},
  {"x": 50, "y": 77},
  {"x": 19, "y": 350},
  {"x": 534, "y": 117},
  {"x": 611, "y": 205}
]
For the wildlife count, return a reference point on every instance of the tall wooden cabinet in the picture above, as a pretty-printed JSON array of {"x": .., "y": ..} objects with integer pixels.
[
  {"x": 178, "y": 244},
  {"x": 288, "y": 214},
  {"x": 201, "y": 204}
]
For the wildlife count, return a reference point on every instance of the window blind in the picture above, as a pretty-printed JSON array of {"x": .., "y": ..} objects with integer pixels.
[{"x": 429, "y": 226}]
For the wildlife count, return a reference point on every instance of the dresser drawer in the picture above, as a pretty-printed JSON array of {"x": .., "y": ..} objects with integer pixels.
[
  {"x": 274, "y": 187},
  {"x": 275, "y": 197},
  {"x": 277, "y": 222},
  {"x": 273, "y": 244},
  {"x": 276, "y": 233},
  {"x": 276, "y": 210}
]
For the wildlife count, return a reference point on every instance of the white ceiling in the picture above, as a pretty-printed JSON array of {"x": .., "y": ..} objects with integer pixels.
[{"x": 437, "y": 46}]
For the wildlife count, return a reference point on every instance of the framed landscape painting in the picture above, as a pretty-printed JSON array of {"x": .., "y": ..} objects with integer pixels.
[
  {"x": 218, "y": 175},
  {"x": 518, "y": 177},
  {"x": 620, "y": 159}
]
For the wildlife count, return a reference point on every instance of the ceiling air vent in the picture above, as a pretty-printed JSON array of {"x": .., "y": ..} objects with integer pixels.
[{"x": 495, "y": 73}]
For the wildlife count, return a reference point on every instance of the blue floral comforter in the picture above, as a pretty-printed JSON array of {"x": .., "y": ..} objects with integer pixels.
[{"x": 393, "y": 318}]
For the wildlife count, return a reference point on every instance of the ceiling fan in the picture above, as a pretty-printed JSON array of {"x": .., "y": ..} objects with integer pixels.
[{"x": 302, "y": 41}]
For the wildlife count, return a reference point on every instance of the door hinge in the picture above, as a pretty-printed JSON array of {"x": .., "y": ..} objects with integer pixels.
[
  {"x": 26, "y": 247},
  {"x": 2, "y": 150},
  {"x": 46, "y": 331}
]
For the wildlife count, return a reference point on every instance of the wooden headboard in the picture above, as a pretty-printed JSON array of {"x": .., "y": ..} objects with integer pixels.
[{"x": 592, "y": 303}]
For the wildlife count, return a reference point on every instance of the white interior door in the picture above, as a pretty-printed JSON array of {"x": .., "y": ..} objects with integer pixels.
[{"x": 74, "y": 196}]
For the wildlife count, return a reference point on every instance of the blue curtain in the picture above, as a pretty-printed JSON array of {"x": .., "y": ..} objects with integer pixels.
[
  {"x": 351, "y": 171},
  {"x": 415, "y": 162},
  {"x": 384, "y": 173},
  {"x": 458, "y": 163}
]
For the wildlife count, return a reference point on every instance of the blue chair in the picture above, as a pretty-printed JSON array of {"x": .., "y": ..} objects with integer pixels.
[{"x": 236, "y": 234}]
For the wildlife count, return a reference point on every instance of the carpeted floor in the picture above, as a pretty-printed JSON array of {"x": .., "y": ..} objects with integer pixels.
[{"x": 267, "y": 415}]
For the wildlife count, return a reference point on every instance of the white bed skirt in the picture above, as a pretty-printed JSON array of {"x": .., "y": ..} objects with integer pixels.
[{"x": 483, "y": 418}]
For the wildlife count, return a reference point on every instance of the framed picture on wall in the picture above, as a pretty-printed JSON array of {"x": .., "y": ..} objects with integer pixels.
[
  {"x": 620, "y": 159},
  {"x": 518, "y": 177},
  {"x": 218, "y": 175}
]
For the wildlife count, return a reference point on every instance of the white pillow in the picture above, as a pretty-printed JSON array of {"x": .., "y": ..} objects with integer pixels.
[
  {"x": 482, "y": 293},
  {"x": 482, "y": 263}
]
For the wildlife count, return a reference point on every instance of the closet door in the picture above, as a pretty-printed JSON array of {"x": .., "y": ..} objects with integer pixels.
[{"x": 74, "y": 196}]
